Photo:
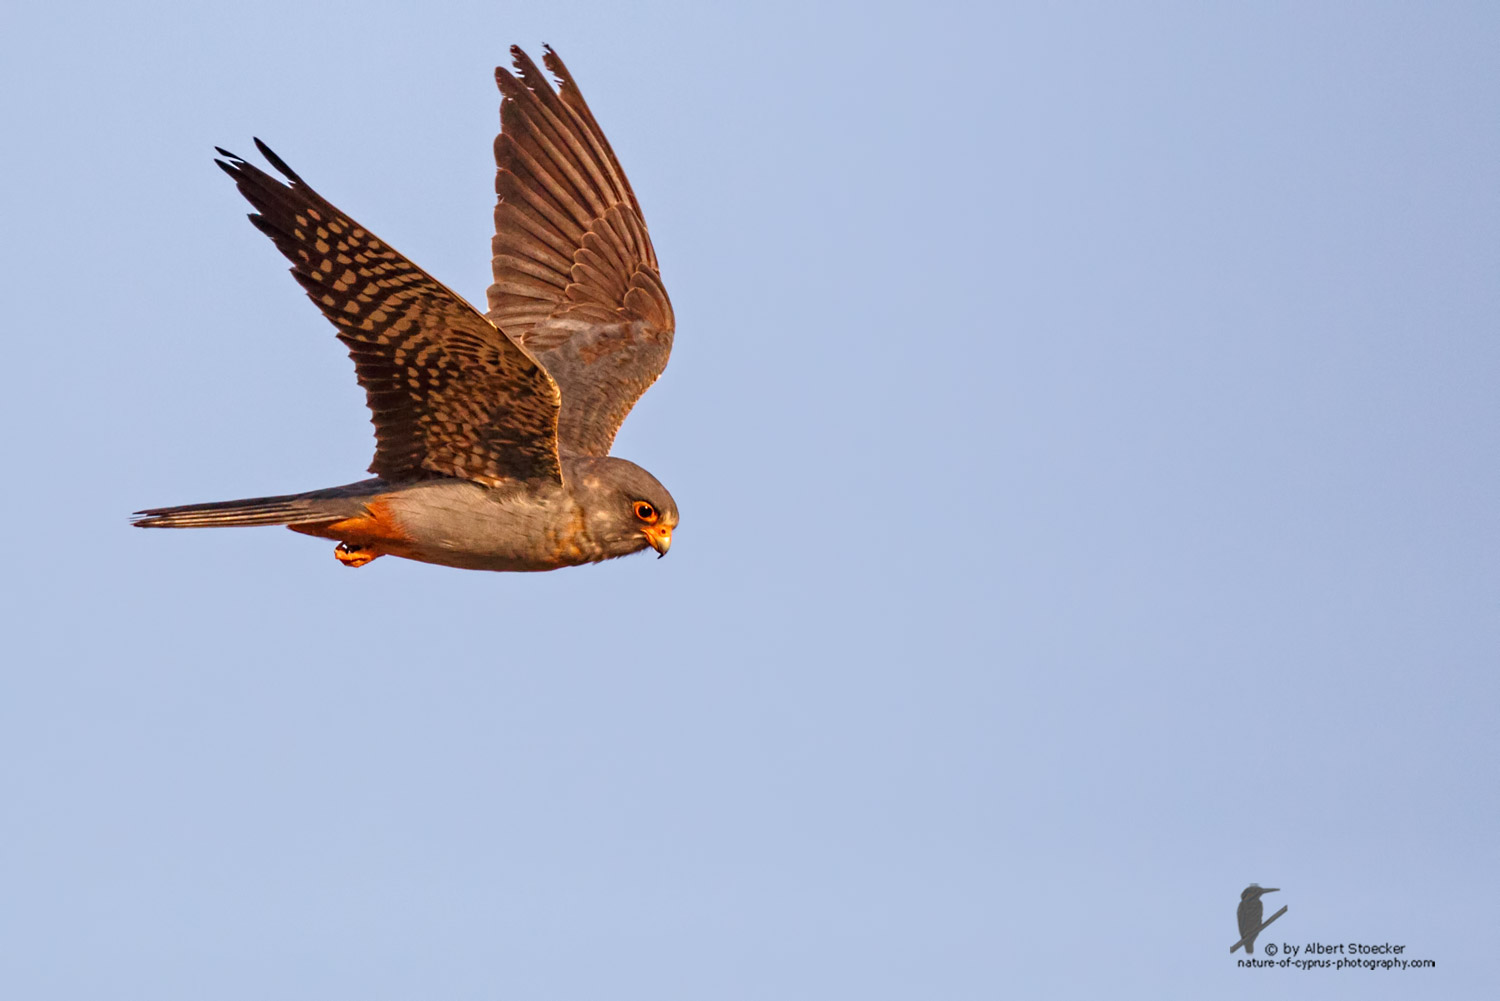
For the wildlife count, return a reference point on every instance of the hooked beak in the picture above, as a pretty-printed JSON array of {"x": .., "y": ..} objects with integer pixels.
[{"x": 660, "y": 537}]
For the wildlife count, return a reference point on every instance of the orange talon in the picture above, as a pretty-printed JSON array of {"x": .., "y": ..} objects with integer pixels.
[{"x": 354, "y": 556}]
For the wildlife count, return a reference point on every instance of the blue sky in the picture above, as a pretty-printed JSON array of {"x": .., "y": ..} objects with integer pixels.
[{"x": 1084, "y": 424}]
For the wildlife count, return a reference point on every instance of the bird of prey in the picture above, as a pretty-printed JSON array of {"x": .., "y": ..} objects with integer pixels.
[
  {"x": 492, "y": 430},
  {"x": 1249, "y": 914}
]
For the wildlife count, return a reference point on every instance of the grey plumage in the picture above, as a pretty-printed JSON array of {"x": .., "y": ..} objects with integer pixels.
[
  {"x": 492, "y": 432},
  {"x": 288, "y": 509}
]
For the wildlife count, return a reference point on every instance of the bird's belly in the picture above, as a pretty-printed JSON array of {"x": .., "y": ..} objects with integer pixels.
[{"x": 471, "y": 527}]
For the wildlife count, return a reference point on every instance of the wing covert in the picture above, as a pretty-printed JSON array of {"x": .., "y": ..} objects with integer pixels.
[{"x": 449, "y": 393}]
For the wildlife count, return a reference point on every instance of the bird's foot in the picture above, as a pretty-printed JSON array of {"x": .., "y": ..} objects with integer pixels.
[{"x": 354, "y": 556}]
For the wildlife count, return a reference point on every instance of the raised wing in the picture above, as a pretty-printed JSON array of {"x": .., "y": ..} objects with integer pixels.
[
  {"x": 449, "y": 394},
  {"x": 576, "y": 279}
]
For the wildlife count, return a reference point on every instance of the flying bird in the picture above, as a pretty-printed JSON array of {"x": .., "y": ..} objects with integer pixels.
[
  {"x": 1249, "y": 914},
  {"x": 492, "y": 430}
]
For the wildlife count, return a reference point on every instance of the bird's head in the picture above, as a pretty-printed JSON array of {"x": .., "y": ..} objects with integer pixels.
[
  {"x": 626, "y": 507},
  {"x": 1253, "y": 891}
]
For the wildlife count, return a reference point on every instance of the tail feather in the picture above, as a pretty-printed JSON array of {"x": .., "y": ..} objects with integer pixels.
[{"x": 289, "y": 509}]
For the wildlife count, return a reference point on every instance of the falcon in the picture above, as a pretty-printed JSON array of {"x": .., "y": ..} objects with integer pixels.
[{"x": 492, "y": 430}]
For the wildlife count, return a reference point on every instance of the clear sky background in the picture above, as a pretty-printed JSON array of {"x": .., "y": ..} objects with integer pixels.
[{"x": 1084, "y": 421}]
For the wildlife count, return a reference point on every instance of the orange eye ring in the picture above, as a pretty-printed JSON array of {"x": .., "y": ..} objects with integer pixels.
[{"x": 645, "y": 512}]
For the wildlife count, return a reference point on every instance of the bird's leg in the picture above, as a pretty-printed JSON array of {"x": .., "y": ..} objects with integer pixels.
[{"x": 354, "y": 556}]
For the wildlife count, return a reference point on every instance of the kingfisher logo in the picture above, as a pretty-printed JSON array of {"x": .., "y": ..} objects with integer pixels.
[
  {"x": 1279, "y": 954},
  {"x": 1249, "y": 915}
]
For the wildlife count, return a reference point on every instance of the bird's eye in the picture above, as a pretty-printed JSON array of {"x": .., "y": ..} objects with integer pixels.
[{"x": 645, "y": 511}]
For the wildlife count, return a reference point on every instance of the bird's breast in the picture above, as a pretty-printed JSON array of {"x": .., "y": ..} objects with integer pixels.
[{"x": 462, "y": 524}]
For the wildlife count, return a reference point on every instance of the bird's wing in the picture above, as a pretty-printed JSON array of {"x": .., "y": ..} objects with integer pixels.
[
  {"x": 449, "y": 393},
  {"x": 1249, "y": 916},
  {"x": 575, "y": 276}
]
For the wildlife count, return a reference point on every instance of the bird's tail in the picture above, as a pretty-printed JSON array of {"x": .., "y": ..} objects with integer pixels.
[{"x": 288, "y": 509}]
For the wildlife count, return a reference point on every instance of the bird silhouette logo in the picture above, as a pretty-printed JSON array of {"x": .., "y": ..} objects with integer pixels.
[{"x": 1249, "y": 914}]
